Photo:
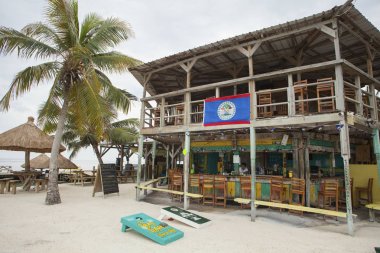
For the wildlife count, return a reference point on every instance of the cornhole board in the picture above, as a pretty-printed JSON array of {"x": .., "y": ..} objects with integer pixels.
[
  {"x": 151, "y": 228},
  {"x": 184, "y": 216}
]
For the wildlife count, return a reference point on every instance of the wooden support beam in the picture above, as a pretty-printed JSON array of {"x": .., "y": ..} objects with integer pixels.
[
  {"x": 252, "y": 142},
  {"x": 291, "y": 97},
  {"x": 186, "y": 170},
  {"x": 307, "y": 170},
  {"x": 358, "y": 96},
  {"x": 345, "y": 153},
  {"x": 327, "y": 30},
  {"x": 154, "y": 148}
]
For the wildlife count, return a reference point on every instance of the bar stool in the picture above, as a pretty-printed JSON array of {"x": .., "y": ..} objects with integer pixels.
[
  {"x": 368, "y": 190},
  {"x": 329, "y": 191},
  {"x": 208, "y": 190},
  {"x": 170, "y": 179},
  {"x": 297, "y": 189},
  {"x": 245, "y": 188},
  {"x": 277, "y": 192},
  {"x": 220, "y": 190}
]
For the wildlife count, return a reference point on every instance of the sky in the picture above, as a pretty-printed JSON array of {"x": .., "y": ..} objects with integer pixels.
[{"x": 162, "y": 28}]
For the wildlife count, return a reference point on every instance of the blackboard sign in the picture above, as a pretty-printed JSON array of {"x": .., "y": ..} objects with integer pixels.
[
  {"x": 106, "y": 180},
  {"x": 109, "y": 178}
]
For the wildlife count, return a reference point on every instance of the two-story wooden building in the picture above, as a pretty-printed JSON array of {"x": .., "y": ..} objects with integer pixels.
[{"x": 313, "y": 86}]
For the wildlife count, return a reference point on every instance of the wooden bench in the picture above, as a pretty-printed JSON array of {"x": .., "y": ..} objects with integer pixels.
[
  {"x": 371, "y": 208},
  {"x": 293, "y": 207},
  {"x": 145, "y": 186},
  {"x": 13, "y": 186},
  {"x": 4, "y": 185}
]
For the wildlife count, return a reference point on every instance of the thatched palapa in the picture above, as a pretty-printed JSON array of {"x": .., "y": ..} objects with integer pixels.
[
  {"x": 42, "y": 162},
  {"x": 29, "y": 138}
]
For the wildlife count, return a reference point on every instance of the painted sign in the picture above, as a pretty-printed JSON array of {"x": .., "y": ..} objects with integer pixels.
[
  {"x": 184, "y": 216},
  {"x": 153, "y": 229}
]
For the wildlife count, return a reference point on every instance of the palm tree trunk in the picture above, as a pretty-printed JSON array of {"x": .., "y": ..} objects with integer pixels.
[
  {"x": 52, "y": 196},
  {"x": 97, "y": 152}
]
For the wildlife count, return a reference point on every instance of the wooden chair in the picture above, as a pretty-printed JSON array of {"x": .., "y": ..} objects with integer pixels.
[
  {"x": 342, "y": 193},
  {"x": 297, "y": 190},
  {"x": 301, "y": 93},
  {"x": 177, "y": 185},
  {"x": 170, "y": 178},
  {"x": 277, "y": 193},
  {"x": 367, "y": 190},
  {"x": 220, "y": 191},
  {"x": 265, "y": 99},
  {"x": 329, "y": 192},
  {"x": 245, "y": 189},
  {"x": 208, "y": 190},
  {"x": 325, "y": 88},
  {"x": 195, "y": 185}
]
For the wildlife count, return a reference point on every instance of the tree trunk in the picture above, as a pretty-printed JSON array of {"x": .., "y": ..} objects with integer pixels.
[
  {"x": 97, "y": 152},
  {"x": 52, "y": 196}
]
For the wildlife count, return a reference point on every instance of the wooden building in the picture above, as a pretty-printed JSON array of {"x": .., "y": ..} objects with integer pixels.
[{"x": 313, "y": 81}]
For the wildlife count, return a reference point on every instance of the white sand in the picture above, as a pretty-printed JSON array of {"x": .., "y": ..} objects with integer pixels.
[{"x": 86, "y": 224}]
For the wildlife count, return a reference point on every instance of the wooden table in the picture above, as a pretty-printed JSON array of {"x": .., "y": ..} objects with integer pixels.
[{"x": 26, "y": 178}]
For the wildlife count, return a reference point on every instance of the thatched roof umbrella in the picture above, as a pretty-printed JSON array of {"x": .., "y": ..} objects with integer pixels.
[
  {"x": 42, "y": 161},
  {"x": 29, "y": 138}
]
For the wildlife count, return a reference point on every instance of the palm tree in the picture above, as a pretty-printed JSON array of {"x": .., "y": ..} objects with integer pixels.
[{"x": 76, "y": 58}]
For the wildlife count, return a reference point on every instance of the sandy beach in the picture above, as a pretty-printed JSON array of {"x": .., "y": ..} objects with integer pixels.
[{"x": 86, "y": 224}]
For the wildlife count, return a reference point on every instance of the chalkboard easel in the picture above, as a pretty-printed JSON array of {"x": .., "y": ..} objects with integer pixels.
[{"x": 106, "y": 180}]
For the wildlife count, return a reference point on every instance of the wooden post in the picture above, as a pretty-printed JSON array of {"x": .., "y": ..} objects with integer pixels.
[
  {"x": 121, "y": 158},
  {"x": 252, "y": 90},
  {"x": 296, "y": 169},
  {"x": 307, "y": 167},
  {"x": 358, "y": 96},
  {"x": 217, "y": 92},
  {"x": 301, "y": 158},
  {"x": 252, "y": 142},
  {"x": 187, "y": 108},
  {"x": 373, "y": 102},
  {"x": 345, "y": 153},
  {"x": 186, "y": 165},
  {"x": 140, "y": 154},
  {"x": 27, "y": 160},
  {"x": 339, "y": 83},
  {"x": 291, "y": 97},
  {"x": 154, "y": 157},
  {"x": 376, "y": 145},
  {"x": 142, "y": 112},
  {"x": 167, "y": 159},
  {"x": 162, "y": 112}
]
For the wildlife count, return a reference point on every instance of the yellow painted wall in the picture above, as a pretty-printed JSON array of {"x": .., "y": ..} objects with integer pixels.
[{"x": 360, "y": 173}]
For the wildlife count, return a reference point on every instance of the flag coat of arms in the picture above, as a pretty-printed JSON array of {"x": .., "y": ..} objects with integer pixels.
[{"x": 227, "y": 110}]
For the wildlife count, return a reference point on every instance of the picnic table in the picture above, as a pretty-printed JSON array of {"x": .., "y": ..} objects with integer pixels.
[{"x": 27, "y": 178}]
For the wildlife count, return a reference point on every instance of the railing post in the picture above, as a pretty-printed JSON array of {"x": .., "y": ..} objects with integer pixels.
[
  {"x": 373, "y": 102},
  {"x": 162, "y": 112},
  {"x": 358, "y": 96},
  {"x": 291, "y": 97}
]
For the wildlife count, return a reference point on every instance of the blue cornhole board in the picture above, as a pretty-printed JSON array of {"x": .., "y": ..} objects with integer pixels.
[{"x": 151, "y": 228}]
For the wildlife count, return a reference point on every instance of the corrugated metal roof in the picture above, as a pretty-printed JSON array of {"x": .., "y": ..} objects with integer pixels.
[{"x": 346, "y": 13}]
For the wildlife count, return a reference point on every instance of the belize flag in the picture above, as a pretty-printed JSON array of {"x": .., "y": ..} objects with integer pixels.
[{"x": 227, "y": 110}]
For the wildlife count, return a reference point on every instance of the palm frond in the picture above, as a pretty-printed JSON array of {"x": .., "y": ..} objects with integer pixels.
[
  {"x": 114, "y": 62},
  {"x": 108, "y": 33},
  {"x": 88, "y": 28},
  {"x": 131, "y": 123},
  {"x": 28, "y": 78},
  {"x": 12, "y": 40},
  {"x": 63, "y": 16},
  {"x": 44, "y": 33}
]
